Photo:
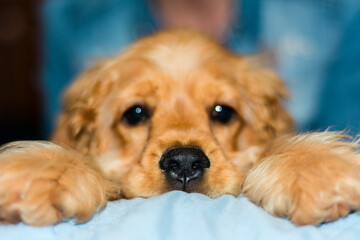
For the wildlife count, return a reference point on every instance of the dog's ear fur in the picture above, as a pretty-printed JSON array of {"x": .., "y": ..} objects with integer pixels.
[
  {"x": 263, "y": 109},
  {"x": 76, "y": 125}
]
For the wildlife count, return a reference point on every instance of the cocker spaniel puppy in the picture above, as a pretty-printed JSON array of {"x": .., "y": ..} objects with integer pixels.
[{"x": 176, "y": 111}]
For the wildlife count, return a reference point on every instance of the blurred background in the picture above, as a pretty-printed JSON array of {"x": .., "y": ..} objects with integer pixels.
[
  {"x": 20, "y": 50},
  {"x": 314, "y": 46}
]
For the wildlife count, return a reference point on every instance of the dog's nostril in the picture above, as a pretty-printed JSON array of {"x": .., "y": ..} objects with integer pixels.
[
  {"x": 174, "y": 165},
  {"x": 196, "y": 165},
  {"x": 183, "y": 164}
]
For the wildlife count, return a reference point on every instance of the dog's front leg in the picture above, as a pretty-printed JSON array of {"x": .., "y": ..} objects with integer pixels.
[
  {"x": 42, "y": 183},
  {"x": 309, "y": 179}
]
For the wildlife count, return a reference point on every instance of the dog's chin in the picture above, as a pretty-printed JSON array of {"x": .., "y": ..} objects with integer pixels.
[{"x": 194, "y": 186}]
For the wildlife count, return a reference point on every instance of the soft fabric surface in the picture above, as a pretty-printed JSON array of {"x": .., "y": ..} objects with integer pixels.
[{"x": 178, "y": 215}]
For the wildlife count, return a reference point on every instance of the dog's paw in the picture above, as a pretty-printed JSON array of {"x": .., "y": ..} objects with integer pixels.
[
  {"x": 309, "y": 179},
  {"x": 42, "y": 183}
]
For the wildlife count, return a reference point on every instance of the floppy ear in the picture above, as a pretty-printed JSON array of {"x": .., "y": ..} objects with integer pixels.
[
  {"x": 77, "y": 125},
  {"x": 263, "y": 111}
]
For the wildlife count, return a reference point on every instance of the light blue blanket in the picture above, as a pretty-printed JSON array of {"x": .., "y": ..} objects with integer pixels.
[{"x": 178, "y": 215}]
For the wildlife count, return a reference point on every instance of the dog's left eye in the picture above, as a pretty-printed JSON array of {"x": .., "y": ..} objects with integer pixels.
[
  {"x": 222, "y": 114},
  {"x": 135, "y": 115}
]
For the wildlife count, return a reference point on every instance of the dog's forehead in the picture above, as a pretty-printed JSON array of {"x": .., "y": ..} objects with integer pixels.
[
  {"x": 180, "y": 73},
  {"x": 189, "y": 66},
  {"x": 177, "y": 60},
  {"x": 181, "y": 53}
]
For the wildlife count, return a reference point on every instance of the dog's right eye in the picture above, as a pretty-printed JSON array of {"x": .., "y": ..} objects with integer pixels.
[
  {"x": 222, "y": 114},
  {"x": 135, "y": 115}
]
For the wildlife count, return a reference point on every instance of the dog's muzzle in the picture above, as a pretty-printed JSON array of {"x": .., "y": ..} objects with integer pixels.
[{"x": 184, "y": 166}]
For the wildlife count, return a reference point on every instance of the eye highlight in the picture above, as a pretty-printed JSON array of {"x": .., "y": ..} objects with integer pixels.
[
  {"x": 135, "y": 115},
  {"x": 222, "y": 114}
]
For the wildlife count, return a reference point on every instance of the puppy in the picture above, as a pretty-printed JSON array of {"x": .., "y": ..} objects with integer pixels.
[{"x": 176, "y": 111}]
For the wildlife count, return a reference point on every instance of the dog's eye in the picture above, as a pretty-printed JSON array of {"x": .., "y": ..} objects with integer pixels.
[
  {"x": 222, "y": 114},
  {"x": 135, "y": 115}
]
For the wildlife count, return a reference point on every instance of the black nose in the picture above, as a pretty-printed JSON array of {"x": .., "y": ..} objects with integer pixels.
[{"x": 184, "y": 164}]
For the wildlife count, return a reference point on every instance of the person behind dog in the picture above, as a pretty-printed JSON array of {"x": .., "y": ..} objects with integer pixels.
[{"x": 315, "y": 45}]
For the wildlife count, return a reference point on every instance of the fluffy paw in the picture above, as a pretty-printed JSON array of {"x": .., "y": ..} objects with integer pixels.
[
  {"x": 310, "y": 179},
  {"x": 42, "y": 183}
]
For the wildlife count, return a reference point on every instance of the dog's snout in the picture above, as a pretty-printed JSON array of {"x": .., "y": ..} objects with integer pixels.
[{"x": 184, "y": 164}]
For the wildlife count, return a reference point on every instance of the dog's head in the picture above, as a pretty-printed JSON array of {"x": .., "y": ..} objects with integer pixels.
[{"x": 175, "y": 111}]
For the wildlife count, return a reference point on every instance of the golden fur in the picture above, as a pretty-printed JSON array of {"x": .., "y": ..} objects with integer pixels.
[{"x": 180, "y": 76}]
